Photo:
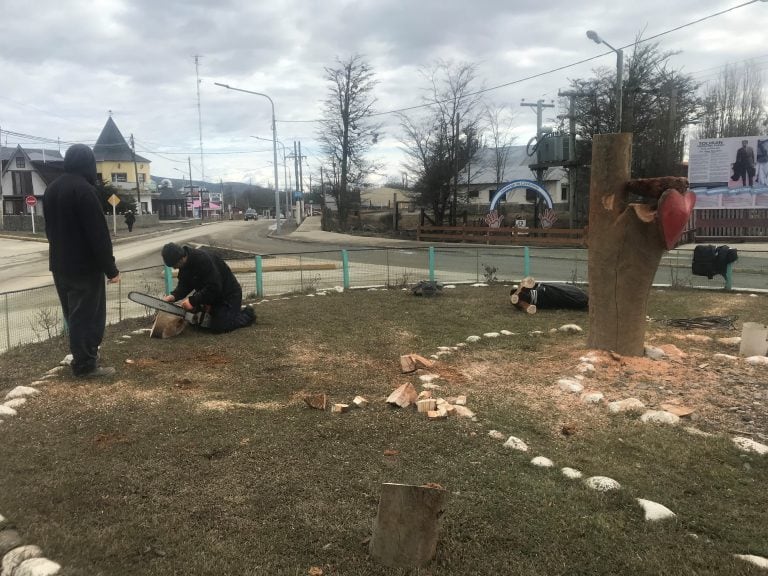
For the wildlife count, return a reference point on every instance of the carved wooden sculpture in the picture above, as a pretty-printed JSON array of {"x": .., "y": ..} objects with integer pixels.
[{"x": 626, "y": 241}]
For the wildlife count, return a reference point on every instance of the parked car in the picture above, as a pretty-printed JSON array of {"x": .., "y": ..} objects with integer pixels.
[{"x": 251, "y": 214}]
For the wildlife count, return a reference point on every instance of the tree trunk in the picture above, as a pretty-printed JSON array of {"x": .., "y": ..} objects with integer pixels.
[
  {"x": 406, "y": 528},
  {"x": 623, "y": 256}
]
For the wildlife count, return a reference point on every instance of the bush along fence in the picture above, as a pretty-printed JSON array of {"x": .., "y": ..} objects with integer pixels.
[{"x": 34, "y": 315}]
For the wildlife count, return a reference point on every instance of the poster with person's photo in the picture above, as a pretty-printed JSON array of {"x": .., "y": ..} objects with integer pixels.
[{"x": 729, "y": 172}]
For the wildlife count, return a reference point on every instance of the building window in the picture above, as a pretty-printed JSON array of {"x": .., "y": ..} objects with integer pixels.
[
  {"x": 563, "y": 192},
  {"x": 119, "y": 177},
  {"x": 142, "y": 177},
  {"x": 474, "y": 194},
  {"x": 20, "y": 163}
]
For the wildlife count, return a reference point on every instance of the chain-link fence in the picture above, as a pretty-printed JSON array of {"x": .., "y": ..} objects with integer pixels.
[{"x": 34, "y": 315}]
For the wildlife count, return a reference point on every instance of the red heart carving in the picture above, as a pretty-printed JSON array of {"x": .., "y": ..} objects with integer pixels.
[{"x": 674, "y": 210}]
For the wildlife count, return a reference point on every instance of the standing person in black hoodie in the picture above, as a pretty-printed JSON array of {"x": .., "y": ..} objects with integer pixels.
[
  {"x": 215, "y": 287},
  {"x": 129, "y": 220},
  {"x": 80, "y": 256}
]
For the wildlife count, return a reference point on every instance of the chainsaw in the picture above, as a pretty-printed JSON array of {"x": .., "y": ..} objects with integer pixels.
[{"x": 197, "y": 317}]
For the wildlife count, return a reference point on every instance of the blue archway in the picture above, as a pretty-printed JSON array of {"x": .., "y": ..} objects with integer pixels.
[{"x": 527, "y": 184}]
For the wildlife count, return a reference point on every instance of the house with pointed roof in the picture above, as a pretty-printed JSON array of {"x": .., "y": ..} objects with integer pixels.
[
  {"x": 117, "y": 164},
  {"x": 26, "y": 172}
]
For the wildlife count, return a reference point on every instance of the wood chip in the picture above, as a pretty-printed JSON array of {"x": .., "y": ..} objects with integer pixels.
[
  {"x": 681, "y": 411},
  {"x": 407, "y": 364},
  {"x": 403, "y": 396},
  {"x": 340, "y": 408},
  {"x": 316, "y": 401}
]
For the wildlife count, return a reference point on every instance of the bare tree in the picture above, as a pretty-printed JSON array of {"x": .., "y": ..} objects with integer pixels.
[
  {"x": 433, "y": 142},
  {"x": 498, "y": 123},
  {"x": 734, "y": 104},
  {"x": 347, "y": 132}
]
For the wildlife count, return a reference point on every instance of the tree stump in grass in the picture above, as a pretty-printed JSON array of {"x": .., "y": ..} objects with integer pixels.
[
  {"x": 167, "y": 326},
  {"x": 626, "y": 241},
  {"x": 406, "y": 528}
]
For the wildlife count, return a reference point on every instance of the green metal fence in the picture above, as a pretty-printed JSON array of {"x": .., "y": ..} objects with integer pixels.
[{"x": 34, "y": 315}]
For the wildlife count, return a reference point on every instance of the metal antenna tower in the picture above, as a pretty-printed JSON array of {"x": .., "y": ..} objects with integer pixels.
[{"x": 200, "y": 127}]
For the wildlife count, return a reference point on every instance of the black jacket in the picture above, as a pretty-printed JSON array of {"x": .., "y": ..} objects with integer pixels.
[
  {"x": 209, "y": 276},
  {"x": 78, "y": 237}
]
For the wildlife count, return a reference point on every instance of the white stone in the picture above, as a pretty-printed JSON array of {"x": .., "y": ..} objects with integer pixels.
[
  {"x": 568, "y": 385},
  {"x": 461, "y": 345},
  {"x": 586, "y": 369},
  {"x": 434, "y": 357},
  {"x": 725, "y": 357},
  {"x": 542, "y": 462},
  {"x": 471, "y": 339},
  {"x": 602, "y": 483},
  {"x": 757, "y": 360},
  {"x": 479, "y": 285},
  {"x": 749, "y": 445},
  {"x": 496, "y": 435},
  {"x": 430, "y": 386},
  {"x": 326, "y": 293},
  {"x": 571, "y": 329},
  {"x": 6, "y": 411},
  {"x": 696, "y": 432},
  {"x": 516, "y": 444},
  {"x": 506, "y": 333},
  {"x": 751, "y": 558},
  {"x": 571, "y": 473},
  {"x": 310, "y": 295},
  {"x": 15, "y": 403},
  {"x": 491, "y": 335},
  {"x": 443, "y": 353},
  {"x": 553, "y": 330},
  {"x": 428, "y": 377},
  {"x": 56, "y": 370},
  {"x": 126, "y": 336},
  {"x": 37, "y": 567},
  {"x": 67, "y": 360},
  {"x": 449, "y": 287},
  {"x": 535, "y": 333},
  {"x": 38, "y": 382},
  {"x": 733, "y": 341},
  {"x": 592, "y": 397},
  {"x": 21, "y": 392},
  {"x": 660, "y": 417},
  {"x": 12, "y": 559},
  {"x": 655, "y": 511},
  {"x": 655, "y": 353},
  {"x": 753, "y": 295},
  {"x": 443, "y": 348},
  {"x": 628, "y": 405},
  {"x": 338, "y": 289}
]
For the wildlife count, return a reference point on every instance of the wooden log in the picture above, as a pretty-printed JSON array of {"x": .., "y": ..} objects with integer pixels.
[
  {"x": 339, "y": 408},
  {"x": 405, "y": 532},
  {"x": 360, "y": 401},
  {"x": 403, "y": 396},
  {"x": 316, "y": 401},
  {"x": 438, "y": 414},
  {"x": 407, "y": 363},
  {"x": 424, "y": 395},
  {"x": 167, "y": 326},
  {"x": 422, "y": 362},
  {"x": 427, "y": 405}
]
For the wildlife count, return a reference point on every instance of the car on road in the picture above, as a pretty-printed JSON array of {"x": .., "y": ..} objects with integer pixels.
[{"x": 251, "y": 214}]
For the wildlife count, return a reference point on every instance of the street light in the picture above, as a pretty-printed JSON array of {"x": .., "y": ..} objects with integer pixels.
[
  {"x": 595, "y": 37},
  {"x": 285, "y": 175},
  {"x": 274, "y": 147}
]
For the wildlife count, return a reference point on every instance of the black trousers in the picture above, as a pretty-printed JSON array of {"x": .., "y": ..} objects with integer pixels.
[
  {"x": 228, "y": 316},
  {"x": 84, "y": 303}
]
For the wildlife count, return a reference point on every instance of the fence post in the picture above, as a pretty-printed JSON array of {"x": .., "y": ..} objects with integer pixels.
[
  {"x": 7, "y": 325},
  {"x": 431, "y": 263},
  {"x": 259, "y": 279},
  {"x": 119, "y": 302},
  {"x": 477, "y": 264},
  {"x": 729, "y": 276},
  {"x": 168, "y": 275},
  {"x": 345, "y": 268},
  {"x": 386, "y": 252},
  {"x": 526, "y": 261}
]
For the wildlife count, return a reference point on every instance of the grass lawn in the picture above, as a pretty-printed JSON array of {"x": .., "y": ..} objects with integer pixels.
[{"x": 201, "y": 457}]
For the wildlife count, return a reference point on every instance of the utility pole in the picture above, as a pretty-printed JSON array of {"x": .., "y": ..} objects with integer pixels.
[
  {"x": 539, "y": 169},
  {"x": 572, "y": 176},
  {"x": 136, "y": 171},
  {"x": 2, "y": 199},
  {"x": 200, "y": 125}
]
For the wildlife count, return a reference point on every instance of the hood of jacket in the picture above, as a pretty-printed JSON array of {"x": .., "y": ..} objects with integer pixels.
[{"x": 80, "y": 160}]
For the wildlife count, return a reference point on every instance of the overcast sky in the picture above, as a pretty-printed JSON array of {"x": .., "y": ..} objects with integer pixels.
[{"x": 65, "y": 64}]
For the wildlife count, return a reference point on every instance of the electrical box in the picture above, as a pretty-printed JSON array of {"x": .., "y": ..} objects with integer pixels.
[{"x": 554, "y": 150}]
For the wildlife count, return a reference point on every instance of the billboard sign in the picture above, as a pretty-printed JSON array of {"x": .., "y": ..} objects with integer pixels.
[{"x": 729, "y": 172}]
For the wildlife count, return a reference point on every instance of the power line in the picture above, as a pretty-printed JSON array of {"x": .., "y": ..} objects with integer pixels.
[{"x": 551, "y": 71}]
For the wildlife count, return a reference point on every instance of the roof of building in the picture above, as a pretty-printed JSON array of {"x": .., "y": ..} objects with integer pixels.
[
  {"x": 33, "y": 154},
  {"x": 112, "y": 147},
  {"x": 483, "y": 167}
]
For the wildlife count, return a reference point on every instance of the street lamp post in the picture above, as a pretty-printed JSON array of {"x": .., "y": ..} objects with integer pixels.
[
  {"x": 274, "y": 147},
  {"x": 595, "y": 37},
  {"x": 285, "y": 174}
]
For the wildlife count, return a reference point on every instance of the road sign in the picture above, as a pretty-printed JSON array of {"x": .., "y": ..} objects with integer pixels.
[
  {"x": 30, "y": 200},
  {"x": 114, "y": 200}
]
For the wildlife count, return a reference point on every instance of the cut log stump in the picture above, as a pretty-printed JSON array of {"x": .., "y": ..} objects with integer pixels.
[
  {"x": 403, "y": 396},
  {"x": 407, "y": 523},
  {"x": 167, "y": 326}
]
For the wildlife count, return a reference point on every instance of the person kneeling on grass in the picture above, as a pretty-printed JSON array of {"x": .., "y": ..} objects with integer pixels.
[{"x": 214, "y": 285}]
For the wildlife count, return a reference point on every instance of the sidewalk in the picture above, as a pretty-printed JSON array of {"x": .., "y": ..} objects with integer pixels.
[{"x": 309, "y": 231}]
